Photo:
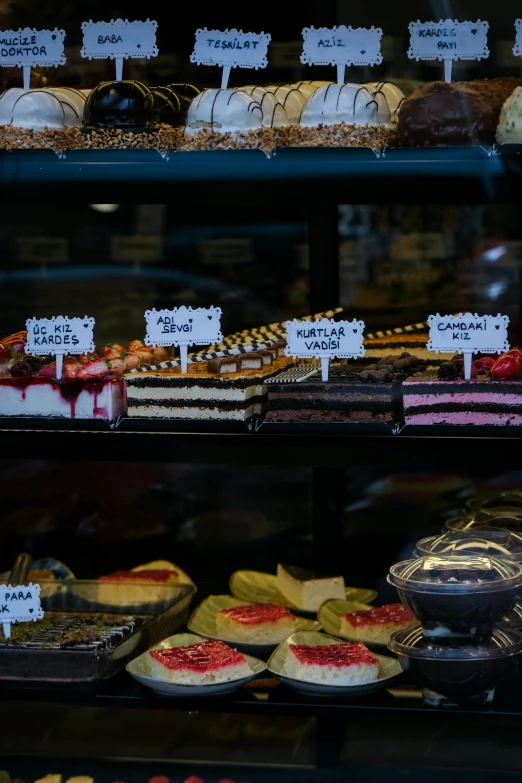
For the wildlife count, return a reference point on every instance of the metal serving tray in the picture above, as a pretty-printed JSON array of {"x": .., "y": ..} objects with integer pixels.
[{"x": 141, "y": 624}]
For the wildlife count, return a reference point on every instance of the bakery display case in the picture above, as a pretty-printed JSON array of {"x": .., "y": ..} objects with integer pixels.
[{"x": 261, "y": 503}]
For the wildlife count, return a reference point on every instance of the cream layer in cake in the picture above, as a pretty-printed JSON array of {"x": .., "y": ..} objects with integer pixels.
[
  {"x": 306, "y": 590},
  {"x": 255, "y": 623},
  {"x": 70, "y": 399},
  {"x": 332, "y": 664},
  {"x": 200, "y": 394},
  {"x": 206, "y": 663},
  {"x": 377, "y": 624}
]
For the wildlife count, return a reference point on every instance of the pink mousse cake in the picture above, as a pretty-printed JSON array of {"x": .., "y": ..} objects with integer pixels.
[{"x": 429, "y": 399}]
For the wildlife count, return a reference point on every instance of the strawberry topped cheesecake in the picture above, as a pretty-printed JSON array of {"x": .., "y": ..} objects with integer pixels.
[
  {"x": 255, "y": 623},
  {"x": 205, "y": 663},
  {"x": 377, "y": 624},
  {"x": 332, "y": 664},
  {"x": 142, "y": 585}
]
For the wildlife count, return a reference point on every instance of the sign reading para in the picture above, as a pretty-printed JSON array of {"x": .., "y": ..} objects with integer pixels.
[
  {"x": 342, "y": 46},
  {"x": 59, "y": 335},
  {"x": 19, "y": 605},
  {"x": 448, "y": 40},
  {"x": 182, "y": 327},
  {"x": 325, "y": 339},
  {"x": 29, "y": 47},
  {"x": 517, "y": 51},
  {"x": 119, "y": 39},
  {"x": 230, "y": 49},
  {"x": 468, "y": 334}
]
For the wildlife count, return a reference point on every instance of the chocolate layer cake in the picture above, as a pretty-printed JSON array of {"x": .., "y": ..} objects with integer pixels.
[
  {"x": 236, "y": 394},
  {"x": 412, "y": 339},
  {"x": 460, "y": 113},
  {"x": 430, "y": 400}
]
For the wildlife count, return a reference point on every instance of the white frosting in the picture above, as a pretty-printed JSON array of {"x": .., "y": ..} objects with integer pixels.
[
  {"x": 353, "y": 104},
  {"x": 274, "y": 114},
  {"x": 224, "y": 111},
  {"x": 393, "y": 95},
  {"x": 73, "y": 103},
  {"x": 308, "y": 88},
  {"x": 509, "y": 129},
  {"x": 47, "y": 400},
  {"x": 32, "y": 109},
  {"x": 292, "y": 99}
]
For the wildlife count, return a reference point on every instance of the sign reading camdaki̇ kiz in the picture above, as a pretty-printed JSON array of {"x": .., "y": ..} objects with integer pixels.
[
  {"x": 231, "y": 49},
  {"x": 30, "y": 48},
  {"x": 467, "y": 333},
  {"x": 342, "y": 46},
  {"x": 448, "y": 40},
  {"x": 119, "y": 38}
]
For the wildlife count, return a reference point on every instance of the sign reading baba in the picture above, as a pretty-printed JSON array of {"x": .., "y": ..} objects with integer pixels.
[
  {"x": 29, "y": 48},
  {"x": 19, "y": 605},
  {"x": 119, "y": 38},
  {"x": 448, "y": 40},
  {"x": 59, "y": 335},
  {"x": 342, "y": 46},
  {"x": 325, "y": 339}
]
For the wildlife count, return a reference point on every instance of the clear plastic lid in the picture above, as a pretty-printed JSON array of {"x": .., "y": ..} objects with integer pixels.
[
  {"x": 476, "y": 522},
  {"x": 465, "y": 573},
  {"x": 502, "y": 644},
  {"x": 492, "y": 542},
  {"x": 512, "y": 620},
  {"x": 510, "y": 499}
]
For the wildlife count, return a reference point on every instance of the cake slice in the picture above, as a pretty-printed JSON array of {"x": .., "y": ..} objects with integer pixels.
[
  {"x": 307, "y": 590},
  {"x": 255, "y": 623},
  {"x": 205, "y": 663},
  {"x": 122, "y": 588},
  {"x": 332, "y": 664},
  {"x": 376, "y": 624}
]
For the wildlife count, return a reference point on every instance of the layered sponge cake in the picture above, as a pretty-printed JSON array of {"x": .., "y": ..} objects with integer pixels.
[
  {"x": 377, "y": 624},
  {"x": 205, "y": 663},
  {"x": 306, "y": 590},
  {"x": 332, "y": 664},
  {"x": 255, "y": 623}
]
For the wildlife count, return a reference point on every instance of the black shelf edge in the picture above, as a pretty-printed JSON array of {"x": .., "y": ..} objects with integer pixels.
[{"x": 449, "y": 452}]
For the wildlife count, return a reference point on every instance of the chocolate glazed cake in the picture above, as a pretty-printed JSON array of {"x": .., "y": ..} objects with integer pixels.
[{"x": 460, "y": 113}]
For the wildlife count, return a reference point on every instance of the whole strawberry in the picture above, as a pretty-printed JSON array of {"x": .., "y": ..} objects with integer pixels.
[
  {"x": 96, "y": 368},
  {"x": 506, "y": 367}
]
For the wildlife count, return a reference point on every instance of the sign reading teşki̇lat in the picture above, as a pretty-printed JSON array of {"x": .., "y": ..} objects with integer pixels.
[{"x": 230, "y": 49}]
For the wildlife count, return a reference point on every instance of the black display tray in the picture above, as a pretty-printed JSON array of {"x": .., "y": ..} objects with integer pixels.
[
  {"x": 137, "y": 424},
  {"x": 323, "y": 428},
  {"x": 460, "y": 431},
  {"x": 53, "y": 423}
]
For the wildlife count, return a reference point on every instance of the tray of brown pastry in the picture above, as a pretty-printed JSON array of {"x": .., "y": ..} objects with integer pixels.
[{"x": 81, "y": 641}]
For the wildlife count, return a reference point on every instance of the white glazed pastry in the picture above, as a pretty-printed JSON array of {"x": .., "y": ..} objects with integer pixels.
[
  {"x": 224, "y": 111},
  {"x": 509, "y": 129},
  {"x": 353, "y": 104},
  {"x": 393, "y": 95},
  {"x": 274, "y": 113},
  {"x": 292, "y": 100},
  {"x": 308, "y": 88},
  {"x": 31, "y": 109},
  {"x": 73, "y": 102}
]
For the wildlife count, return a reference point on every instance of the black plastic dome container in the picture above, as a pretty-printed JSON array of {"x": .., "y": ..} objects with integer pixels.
[{"x": 128, "y": 105}]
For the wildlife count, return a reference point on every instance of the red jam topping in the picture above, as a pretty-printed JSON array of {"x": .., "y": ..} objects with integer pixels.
[
  {"x": 256, "y": 614},
  {"x": 203, "y": 657},
  {"x": 139, "y": 576},
  {"x": 391, "y": 614},
  {"x": 340, "y": 655}
]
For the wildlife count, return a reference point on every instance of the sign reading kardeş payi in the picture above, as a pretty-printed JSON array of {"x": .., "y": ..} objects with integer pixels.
[
  {"x": 182, "y": 327},
  {"x": 19, "y": 605},
  {"x": 29, "y": 48},
  {"x": 468, "y": 334},
  {"x": 448, "y": 40},
  {"x": 59, "y": 336},
  {"x": 119, "y": 39},
  {"x": 341, "y": 46},
  {"x": 325, "y": 339},
  {"x": 230, "y": 49}
]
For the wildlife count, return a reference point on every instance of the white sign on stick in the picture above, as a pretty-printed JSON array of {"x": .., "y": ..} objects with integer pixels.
[
  {"x": 468, "y": 334},
  {"x": 230, "y": 49},
  {"x": 448, "y": 41},
  {"x": 517, "y": 51},
  {"x": 28, "y": 48},
  {"x": 58, "y": 336},
  {"x": 119, "y": 39},
  {"x": 342, "y": 46},
  {"x": 182, "y": 327},
  {"x": 19, "y": 605},
  {"x": 325, "y": 339}
]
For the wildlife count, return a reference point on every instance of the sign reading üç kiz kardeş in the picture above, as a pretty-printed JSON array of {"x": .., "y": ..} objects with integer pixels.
[
  {"x": 59, "y": 336},
  {"x": 230, "y": 49},
  {"x": 325, "y": 339},
  {"x": 29, "y": 48},
  {"x": 342, "y": 46},
  {"x": 182, "y": 327},
  {"x": 19, "y": 604},
  {"x": 448, "y": 41},
  {"x": 468, "y": 334},
  {"x": 118, "y": 40}
]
